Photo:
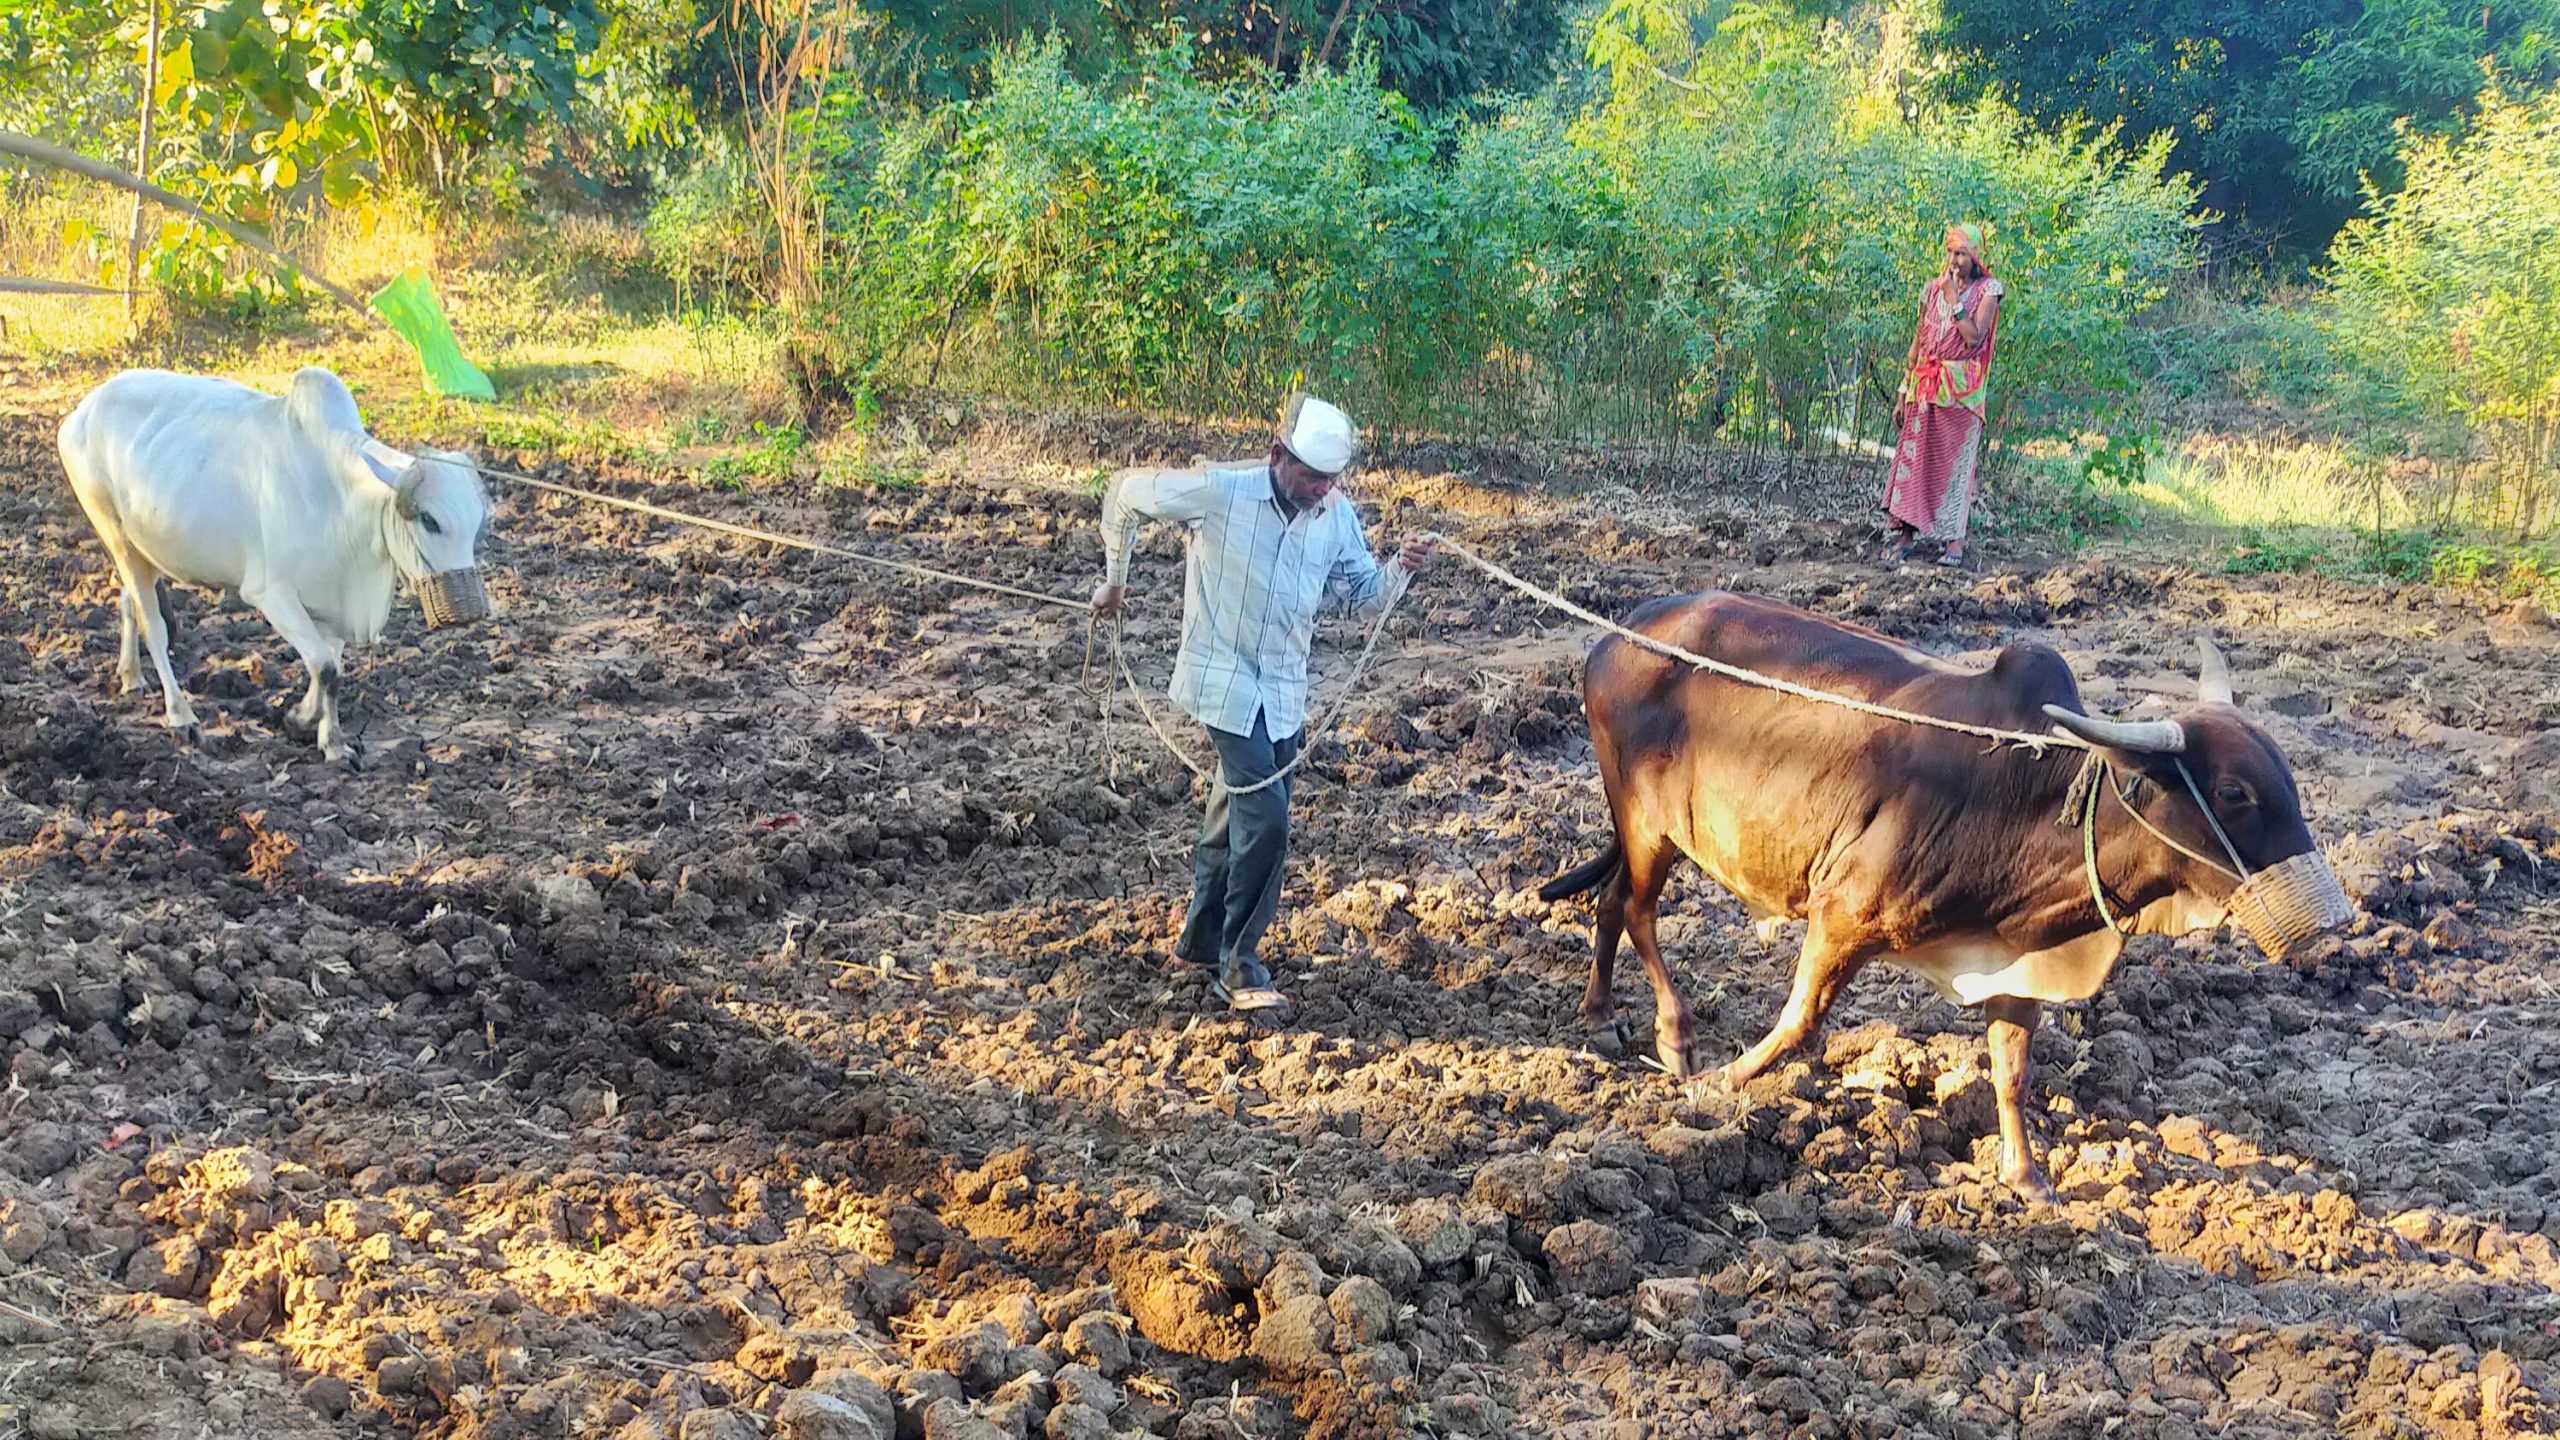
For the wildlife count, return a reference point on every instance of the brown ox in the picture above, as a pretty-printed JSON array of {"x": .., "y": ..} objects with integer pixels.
[{"x": 1926, "y": 847}]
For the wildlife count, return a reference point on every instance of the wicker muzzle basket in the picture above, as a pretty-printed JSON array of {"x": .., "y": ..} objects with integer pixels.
[
  {"x": 2286, "y": 904},
  {"x": 453, "y": 597}
]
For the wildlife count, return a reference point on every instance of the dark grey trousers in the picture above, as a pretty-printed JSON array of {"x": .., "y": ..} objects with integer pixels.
[{"x": 1244, "y": 846}]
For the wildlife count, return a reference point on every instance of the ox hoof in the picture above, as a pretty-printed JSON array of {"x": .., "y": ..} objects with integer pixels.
[
  {"x": 2031, "y": 1188},
  {"x": 127, "y": 684},
  {"x": 1605, "y": 1039},
  {"x": 1674, "y": 1053}
]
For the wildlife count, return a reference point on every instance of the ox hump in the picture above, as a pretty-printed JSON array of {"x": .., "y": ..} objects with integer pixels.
[
  {"x": 319, "y": 403},
  {"x": 2035, "y": 676}
]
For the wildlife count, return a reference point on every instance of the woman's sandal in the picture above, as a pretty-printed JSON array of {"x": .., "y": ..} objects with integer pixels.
[
  {"x": 1952, "y": 559},
  {"x": 1895, "y": 553}
]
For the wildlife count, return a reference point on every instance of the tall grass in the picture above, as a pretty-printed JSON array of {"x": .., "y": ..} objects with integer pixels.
[{"x": 2224, "y": 480}]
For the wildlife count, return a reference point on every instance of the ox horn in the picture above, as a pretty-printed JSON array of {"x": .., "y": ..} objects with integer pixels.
[
  {"x": 2145, "y": 737},
  {"x": 2213, "y": 681}
]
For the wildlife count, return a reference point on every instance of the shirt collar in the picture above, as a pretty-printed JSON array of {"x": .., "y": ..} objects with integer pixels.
[{"x": 1289, "y": 513}]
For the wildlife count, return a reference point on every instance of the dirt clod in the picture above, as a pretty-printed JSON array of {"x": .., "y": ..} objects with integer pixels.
[
  {"x": 168, "y": 1267},
  {"x": 1589, "y": 1258},
  {"x": 328, "y": 1397},
  {"x": 722, "y": 1423},
  {"x": 1179, "y": 1309},
  {"x": 810, "y": 1415},
  {"x": 401, "y": 1375},
  {"x": 1077, "y": 1422},
  {"x": 1097, "y": 1340},
  {"x": 1296, "y": 1340},
  {"x": 23, "y": 1237},
  {"x": 952, "y": 1420},
  {"x": 1082, "y": 1385},
  {"x": 1364, "y": 1313}
]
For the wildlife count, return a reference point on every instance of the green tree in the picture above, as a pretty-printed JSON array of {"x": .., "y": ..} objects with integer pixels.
[
  {"x": 2449, "y": 295},
  {"x": 448, "y": 81},
  {"x": 261, "y": 104},
  {"x": 66, "y": 71},
  {"x": 1435, "y": 53},
  {"x": 2282, "y": 107},
  {"x": 1438, "y": 54},
  {"x": 1731, "y": 245}
]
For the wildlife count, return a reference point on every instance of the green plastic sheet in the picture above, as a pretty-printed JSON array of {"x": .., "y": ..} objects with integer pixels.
[{"x": 410, "y": 305}]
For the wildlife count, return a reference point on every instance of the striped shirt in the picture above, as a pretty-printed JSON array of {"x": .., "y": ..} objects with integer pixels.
[{"x": 1254, "y": 579}]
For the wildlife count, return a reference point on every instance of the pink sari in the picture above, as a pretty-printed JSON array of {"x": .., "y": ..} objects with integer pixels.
[{"x": 1930, "y": 487}]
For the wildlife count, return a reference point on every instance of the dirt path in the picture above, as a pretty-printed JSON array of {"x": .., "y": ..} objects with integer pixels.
[{"x": 731, "y": 999}]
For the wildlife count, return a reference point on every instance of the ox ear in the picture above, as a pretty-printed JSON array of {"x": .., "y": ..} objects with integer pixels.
[
  {"x": 2138, "y": 737},
  {"x": 2213, "y": 678}
]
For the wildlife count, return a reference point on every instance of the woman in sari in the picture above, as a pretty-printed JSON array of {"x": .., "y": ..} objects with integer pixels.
[{"x": 1929, "y": 491}]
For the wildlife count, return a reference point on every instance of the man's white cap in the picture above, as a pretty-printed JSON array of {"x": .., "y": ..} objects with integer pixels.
[{"x": 1319, "y": 435}]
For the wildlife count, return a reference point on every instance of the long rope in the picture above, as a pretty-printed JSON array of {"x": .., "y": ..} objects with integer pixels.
[
  {"x": 2036, "y": 743},
  {"x": 1315, "y": 726},
  {"x": 1137, "y": 692},
  {"x": 794, "y": 542},
  {"x": 2022, "y": 738}
]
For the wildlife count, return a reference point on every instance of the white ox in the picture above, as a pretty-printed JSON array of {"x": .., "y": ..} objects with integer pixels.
[{"x": 283, "y": 499}]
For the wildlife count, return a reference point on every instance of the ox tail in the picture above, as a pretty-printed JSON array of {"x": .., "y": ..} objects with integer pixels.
[{"x": 1582, "y": 877}]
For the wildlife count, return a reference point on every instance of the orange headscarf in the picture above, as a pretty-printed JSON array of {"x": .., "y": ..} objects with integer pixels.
[{"x": 1971, "y": 233}]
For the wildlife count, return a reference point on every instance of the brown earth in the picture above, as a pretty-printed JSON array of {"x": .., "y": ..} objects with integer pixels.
[{"x": 732, "y": 999}]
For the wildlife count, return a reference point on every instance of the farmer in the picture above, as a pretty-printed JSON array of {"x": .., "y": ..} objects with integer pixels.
[
  {"x": 1269, "y": 544},
  {"x": 1930, "y": 488}
]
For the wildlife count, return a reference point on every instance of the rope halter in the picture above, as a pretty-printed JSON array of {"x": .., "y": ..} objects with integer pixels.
[{"x": 2279, "y": 907}]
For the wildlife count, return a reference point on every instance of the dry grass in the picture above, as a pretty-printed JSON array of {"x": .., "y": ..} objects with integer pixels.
[
  {"x": 2258, "y": 482},
  {"x": 591, "y": 358}
]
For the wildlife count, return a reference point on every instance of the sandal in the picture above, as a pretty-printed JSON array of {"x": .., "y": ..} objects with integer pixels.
[
  {"x": 1895, "y": 553},
  {"x": 1952, "y": 559},
  {"x": 1246, "y": 987},
  {"x": 1250, "y": 999}
]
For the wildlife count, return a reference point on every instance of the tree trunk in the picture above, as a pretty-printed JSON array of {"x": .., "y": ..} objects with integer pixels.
[
  {"x": 1325, "y": 51},
  {"x": 142, "y": 162}
]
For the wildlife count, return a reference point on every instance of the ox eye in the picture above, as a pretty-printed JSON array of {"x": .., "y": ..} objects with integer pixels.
[
  {"x": 430, "y": 522},
  {"x": 2230, "y": 793}
]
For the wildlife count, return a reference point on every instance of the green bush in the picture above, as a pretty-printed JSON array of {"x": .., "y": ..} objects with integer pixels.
[
  {"x": 2256, "y": 553},
  {"x": 2400, "y": 554},
  {"x": 2043, "y": 501},
  {"x": 774, "y": 455},
  {"x": 1658, "y": 269},
  {"x": 708, "y": 231},
  {"x": 2449, "y": 297},
  {"x": 2286, "y": 107}
]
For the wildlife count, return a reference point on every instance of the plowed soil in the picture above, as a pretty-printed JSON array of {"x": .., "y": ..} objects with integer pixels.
[{"x": 731, "y": 998}]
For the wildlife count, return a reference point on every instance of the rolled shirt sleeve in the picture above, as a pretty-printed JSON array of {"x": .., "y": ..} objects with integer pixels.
[
  {"x": 1357, "y": 582},
  {"x": 1176, "y": 497}
]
